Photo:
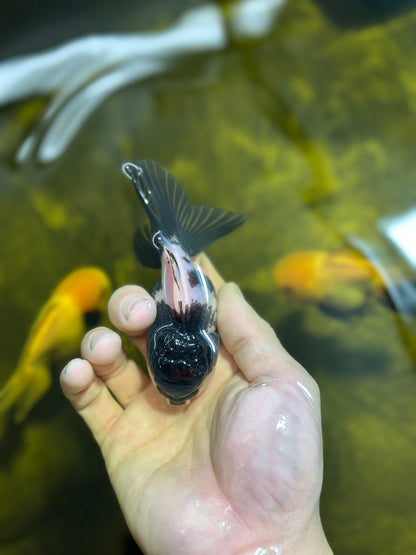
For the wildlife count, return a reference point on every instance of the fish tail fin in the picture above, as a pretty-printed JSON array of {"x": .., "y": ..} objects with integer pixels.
[
  {"x": 170, "y": 212},
  {"x": 28, "y": 383}
]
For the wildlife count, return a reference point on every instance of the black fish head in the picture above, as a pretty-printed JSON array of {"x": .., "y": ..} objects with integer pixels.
[{"x": 180, "y": 361}]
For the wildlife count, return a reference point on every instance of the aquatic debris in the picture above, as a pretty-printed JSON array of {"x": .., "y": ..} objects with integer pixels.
[
  {"x": 182, "y": 343},
  {"x": 80, "y": 74},
  {"x": 56, "y": 333}
]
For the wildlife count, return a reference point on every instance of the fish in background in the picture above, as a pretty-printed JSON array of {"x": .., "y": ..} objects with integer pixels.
[
  {"x": 341, "y": 281},
  {"x": 182, "y": 343},
  {"x": 56, "y": 333}
]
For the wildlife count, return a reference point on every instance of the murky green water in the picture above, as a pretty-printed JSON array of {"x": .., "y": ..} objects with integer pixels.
[{"x": 308, "y": 130}]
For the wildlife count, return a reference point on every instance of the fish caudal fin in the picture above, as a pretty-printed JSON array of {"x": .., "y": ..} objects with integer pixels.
[
  {"x": 170, "y": 212},
  {"x": 25, "y": 387}
]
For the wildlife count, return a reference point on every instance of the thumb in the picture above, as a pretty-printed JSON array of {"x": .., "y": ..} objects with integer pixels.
[{"x": 252, "y": 341}]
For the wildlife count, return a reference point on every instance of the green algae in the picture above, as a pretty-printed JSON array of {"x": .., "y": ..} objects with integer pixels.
[{"x": 309, "y": 132}]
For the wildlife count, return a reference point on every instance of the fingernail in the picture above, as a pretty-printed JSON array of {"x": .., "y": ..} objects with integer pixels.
[
  {"x": 93, "y": 338},
  {"x": 131, "y": 304},
  {"x": 67, "y": 368}
]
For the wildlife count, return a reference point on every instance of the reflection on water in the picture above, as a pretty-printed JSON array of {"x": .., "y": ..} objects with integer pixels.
[
  {"x": 304, "y": 125},
  {"x": 401, "y": 230},
  {"x": 82, "y": 73}
]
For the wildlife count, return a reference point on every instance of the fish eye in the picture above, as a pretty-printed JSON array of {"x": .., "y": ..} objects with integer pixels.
[{"x": 156, "y": 239}]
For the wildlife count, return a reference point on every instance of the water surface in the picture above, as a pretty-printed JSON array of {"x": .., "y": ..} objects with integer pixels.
[{"x": 307, "y": 129}]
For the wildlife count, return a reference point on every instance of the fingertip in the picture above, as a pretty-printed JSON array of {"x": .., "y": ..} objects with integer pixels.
[
  {"x": 131, "y": 309},
  {"x": 231, "y": 289},
  {"x": 76, "y": 377},
  {"x": 101, "y": 346}
]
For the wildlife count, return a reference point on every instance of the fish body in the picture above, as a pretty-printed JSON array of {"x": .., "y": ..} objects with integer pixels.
[
  {"x": 56, "y": 333},
  {"x": 182, "y": 343},
  {"x": 341, "y": 280}
]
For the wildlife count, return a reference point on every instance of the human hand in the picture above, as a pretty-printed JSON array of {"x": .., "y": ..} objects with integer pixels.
[{"x": 236, "y": 471}]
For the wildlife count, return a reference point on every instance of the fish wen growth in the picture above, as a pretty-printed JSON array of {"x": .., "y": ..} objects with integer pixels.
[{"x": 182, "y": 343}]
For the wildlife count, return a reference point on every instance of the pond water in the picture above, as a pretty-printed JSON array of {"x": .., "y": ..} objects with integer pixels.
[{"x": 305, "y": 123}]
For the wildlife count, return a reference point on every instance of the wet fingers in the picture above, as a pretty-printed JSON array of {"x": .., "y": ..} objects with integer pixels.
[
  {"x": 90, "y": 397},
  {"x": 132, "y": 310},
  {"x": 253, "y": 344},
  {"x": 102, "y": 348}
]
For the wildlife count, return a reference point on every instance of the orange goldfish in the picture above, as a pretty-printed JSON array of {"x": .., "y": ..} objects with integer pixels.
[
  {"x": 340, "y": 280},
  {"x": 56, "y": 333}
]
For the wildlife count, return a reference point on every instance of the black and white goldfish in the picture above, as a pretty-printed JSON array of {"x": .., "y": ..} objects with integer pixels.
[{"x": 182, "y": 343}]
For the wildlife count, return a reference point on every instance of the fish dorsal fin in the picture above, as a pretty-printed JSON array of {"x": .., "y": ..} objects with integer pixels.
[{"x": 170, "y": 211}]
